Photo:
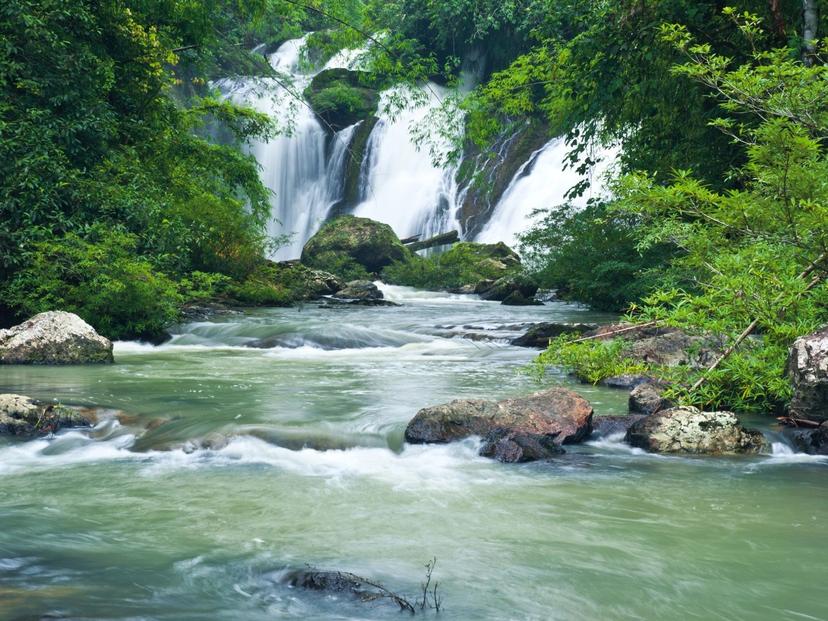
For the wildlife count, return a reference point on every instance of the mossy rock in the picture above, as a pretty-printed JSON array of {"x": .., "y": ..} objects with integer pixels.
[
  {"x": 341, "y": 97},
  {"x": 347, "y": 245}
]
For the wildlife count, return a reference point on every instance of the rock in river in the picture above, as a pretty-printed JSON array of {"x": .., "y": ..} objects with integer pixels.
[
  {"x": 22, "y": 416},
  {"x": 54, "y": 337},
  {"x": 808, "y": 370},
  {"x": 514, "y": 430},
  {"x": 689, "y": 430}
]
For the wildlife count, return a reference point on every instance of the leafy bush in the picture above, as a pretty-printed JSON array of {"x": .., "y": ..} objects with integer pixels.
[
  {"x": 101, "y": 279},
  {"x": 591, "y": 361},
  {"x": 343, "y": 265},
  {"x": 465, "y": 263}
]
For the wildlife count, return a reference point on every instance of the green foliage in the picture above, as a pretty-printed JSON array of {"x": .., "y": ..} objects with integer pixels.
[
  {"x": 100, "y": 278},
  {"x": 341, "y": 97},
  {"x": 591, "y": 361},
  {"x": 591, "y": 256},
  {"x": 465, "y": 263},
  {"x": 342, "y": 265}
]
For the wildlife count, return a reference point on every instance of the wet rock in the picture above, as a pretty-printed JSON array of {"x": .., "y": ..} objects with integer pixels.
[
  {"x": 624, "y": 382},
  {"x": 608, "y": 425},
  {"x": 689, "y": 430},
  {"x": 519, "y": 429},
  {"x": 646, "y": 398},
  {"x": 203, "y": 311},
  {"x": 345, "y": 583},
  {"x": 25, "y": 417},
  {"x": 348, "y": 241},
  {"x": 54, "y": 337},
  {"x": 341, "y": 97},
  {"x": 359, "y": 290},
  {"x": 516, "y": 298},
  {"x": 538, "y": 335},
  {"x": 812, "y": 441},
  {"x": 502, "y": 288},
  {"x": 808, "y": 371}
]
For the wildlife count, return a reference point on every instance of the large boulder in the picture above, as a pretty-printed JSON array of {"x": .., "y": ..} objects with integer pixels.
[
  {"x": 514, "y": 430},
  {"x": 691, "y": 431},
  {"x": 348, "y": 240},
  {"x": 341, "y": 97},
  {"x": 539, "y": 335},
  {"x": 502, "y": 288},
  {"x": 54, "y": 337},
  {"x": 808, "y": 370},
  {"x": 603, "y": 426},
  {"x": 25, "y": 417},
  {"x": 813, "y": 441},
  {"x": 359, "y": 290}
]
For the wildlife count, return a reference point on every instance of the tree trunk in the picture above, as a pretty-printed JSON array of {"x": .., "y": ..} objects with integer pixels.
[
  {"x": 810, "y": 23},
  {"x": 438, "y": 240}
]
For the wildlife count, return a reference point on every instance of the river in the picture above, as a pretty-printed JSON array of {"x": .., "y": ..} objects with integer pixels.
[{"x": 114, "y": 524}]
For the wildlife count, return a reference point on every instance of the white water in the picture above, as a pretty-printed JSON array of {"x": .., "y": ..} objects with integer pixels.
[
  {"x": 400, "y": 184},
  {"x": 541, "y": 183}
]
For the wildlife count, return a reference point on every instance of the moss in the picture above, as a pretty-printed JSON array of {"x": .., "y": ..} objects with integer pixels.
[
  {"x": 353, "y": 165},
  {"x": 341, "y": 97},
  {"x": 352, "y": 247}
]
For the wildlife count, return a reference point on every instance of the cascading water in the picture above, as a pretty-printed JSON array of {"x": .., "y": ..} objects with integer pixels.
[
  {"x": 541, "y": 183},
  {"x": 399, "y": 184},
  {"x": 305, "y": 180}
]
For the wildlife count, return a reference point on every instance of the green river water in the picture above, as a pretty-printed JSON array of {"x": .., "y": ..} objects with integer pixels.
[{"x": 124, "y": 524}]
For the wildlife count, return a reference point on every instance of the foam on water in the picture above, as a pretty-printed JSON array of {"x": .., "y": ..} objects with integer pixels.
[{"x": 399, "y": 294}]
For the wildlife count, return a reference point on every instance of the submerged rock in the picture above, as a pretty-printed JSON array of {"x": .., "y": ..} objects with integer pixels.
[
  {"x": 54, "y": 337},
  {"x": 25, "y": 417},
  {"x": 514, "y": 430},
  {"x": 538, "y": 336},
  {"x": 808, "y": 371},
  {"x": 348, "y": 241},
  {"x": 646, "y": 398},
  {"x": 689, "y": 430},
  {"x": 344, "y": 583}
]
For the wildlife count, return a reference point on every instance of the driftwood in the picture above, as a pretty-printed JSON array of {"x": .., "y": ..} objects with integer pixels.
[
  {"x": 790, "y": 421},
  {"x": 438, "y": 240},
  {"x": 411, "y": 240}
]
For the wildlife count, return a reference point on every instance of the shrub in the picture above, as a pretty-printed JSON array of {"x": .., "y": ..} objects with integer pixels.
[{"x": 100, "y": 278}]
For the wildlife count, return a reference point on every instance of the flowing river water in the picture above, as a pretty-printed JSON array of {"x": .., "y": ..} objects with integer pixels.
[{"x": 122, "y": 523}]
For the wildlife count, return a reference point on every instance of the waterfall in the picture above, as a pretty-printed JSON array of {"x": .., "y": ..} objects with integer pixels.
[
  {"x": 302, "y": 168},
  {"x": 542, "y": 183},
  {"x": 400, "y": 184}
]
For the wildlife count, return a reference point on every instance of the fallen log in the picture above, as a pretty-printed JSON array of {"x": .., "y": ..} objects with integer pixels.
[
  {"x": 411, "y": 240},
  {"x": 438, "y": 240}
]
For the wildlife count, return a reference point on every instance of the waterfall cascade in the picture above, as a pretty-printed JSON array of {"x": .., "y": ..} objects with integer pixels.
[{"x": 399, "y": 183}]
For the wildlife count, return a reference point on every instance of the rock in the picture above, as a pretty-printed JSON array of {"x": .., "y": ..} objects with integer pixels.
[
  {"x": 516, "y": 298},
  {"x": 646, "y": 398},
  {"x": 519, "y": 429},
  {"x": 54, "y": 337},
  {"x": 689, "y": 430},
  {"x": 808, "y": 371},
  {"x": 502, "y": 288},
  {"x": 538, "y": 336},
  {"x": 812, "y": 441},
  {"x": 202, "y": 311},
  {"x": 359, "y": 290},
  {"x": 344, "y": 583},
  {"x": 608, "y": 425},
  {"x": 341, "y": 97},
  {"x": 483, "y": 285},
  {"x": 624, "y": 382},
  {"x": 22, "y": 416},
  {"x": 347, "y": 241},
  {"x": 663, "y": 346}
]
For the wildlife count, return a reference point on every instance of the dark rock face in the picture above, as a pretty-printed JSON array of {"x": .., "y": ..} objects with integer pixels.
[
  {"x": 813, "y": 441},
  {"x": 55, "y": 337},
  {"x": 24, "y": 417},
  {"x": 370, "y": 244},
  {"x": 341, "y": 97},
  {"x": 359, "y": 290},
  {"x": 522, "y": 429},
  {"x": 607, "y": 425},
  {"x": 356, "y": 156},
  {"x": 691, "y": 431},
  {"x": 647, "y": 399},
  {"x": 624, "y": 382},
  {"x": 344, "y": 583},
  {"x": 808, "y": 371},
  {"x": 504, "y": 287},
  {"x": 538, "y": 336},
  {"x": 515, "y": 298}
]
